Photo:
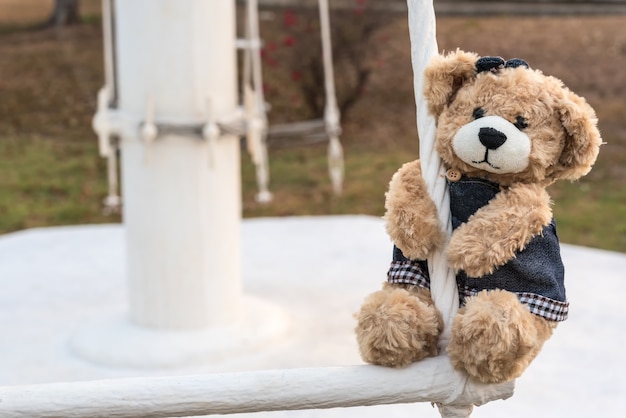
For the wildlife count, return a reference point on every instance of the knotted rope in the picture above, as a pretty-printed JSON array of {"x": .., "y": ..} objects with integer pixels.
[{"x": 422, "y": 30}]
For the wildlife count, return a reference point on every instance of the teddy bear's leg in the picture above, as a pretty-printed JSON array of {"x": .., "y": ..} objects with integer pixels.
[
  {"x": 398, "y": 326},
  {"x": 495, "y": 337}
]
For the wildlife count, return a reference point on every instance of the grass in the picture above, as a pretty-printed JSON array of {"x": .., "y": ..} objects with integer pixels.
[
  {"x": 301, "y": 184},
  {"x": 45, "y": 182},
  {"x": 590, "y": 215},
  {"x": 51, "y": 174}
]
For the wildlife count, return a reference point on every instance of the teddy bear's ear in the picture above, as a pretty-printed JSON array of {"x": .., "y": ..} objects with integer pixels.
[
  {"x": 445, "y": 75},
  {"x": 582, "y": 141}
]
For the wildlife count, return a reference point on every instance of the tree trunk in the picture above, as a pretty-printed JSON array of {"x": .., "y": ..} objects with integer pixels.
[{"x": 66, "y": 12}]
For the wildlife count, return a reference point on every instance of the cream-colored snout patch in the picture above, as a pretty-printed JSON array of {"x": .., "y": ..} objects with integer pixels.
[{"x": 493, "y": 144}]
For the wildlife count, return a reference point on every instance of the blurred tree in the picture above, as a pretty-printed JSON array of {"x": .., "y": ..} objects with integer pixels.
[
  {"x": 293, "y": 59},
  {"x": 65, "y": 12}
]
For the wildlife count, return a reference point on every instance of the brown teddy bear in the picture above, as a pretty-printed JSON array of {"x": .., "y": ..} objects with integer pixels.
[{"x": 504, "y": 133}]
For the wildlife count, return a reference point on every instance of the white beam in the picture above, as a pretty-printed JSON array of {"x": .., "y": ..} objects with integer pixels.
[{"x": 432, "y": 380}]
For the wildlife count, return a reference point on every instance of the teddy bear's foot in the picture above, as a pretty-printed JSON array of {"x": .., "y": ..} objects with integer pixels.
[
  {"x": 398, "y": 326},
  {"x": 494, "y": 337}
]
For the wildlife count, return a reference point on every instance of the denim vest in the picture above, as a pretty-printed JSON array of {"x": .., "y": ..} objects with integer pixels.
[{"x": 535, "y": 274}]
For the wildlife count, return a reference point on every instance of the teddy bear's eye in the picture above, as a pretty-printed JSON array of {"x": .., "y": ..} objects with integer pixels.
[
  {"x": 520, "y": 123},
  {"x": 478, "y": 113}
]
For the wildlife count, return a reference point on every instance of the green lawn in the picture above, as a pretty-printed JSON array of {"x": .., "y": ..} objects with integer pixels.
[{"x": 51, "y": 174}]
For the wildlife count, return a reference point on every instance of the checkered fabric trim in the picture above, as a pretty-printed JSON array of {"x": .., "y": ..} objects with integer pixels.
[
  {"x": 464, "y": 293},
  {"x": 553, "y": 310},
  {"x": 408, "y": 272}
]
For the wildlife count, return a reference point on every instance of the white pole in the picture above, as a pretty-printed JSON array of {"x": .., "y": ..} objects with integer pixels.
[
  {"x": 176, "y": 75},
  {"x": 109, "y": 60},
  {"x": 182, "y": 213},
  {"x": 231, "y": 393}
]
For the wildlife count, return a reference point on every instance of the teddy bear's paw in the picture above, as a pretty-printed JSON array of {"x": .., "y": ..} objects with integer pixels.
[
  {"x": 494, "y": 337},
  {"x": 411, "y": 218},
  {"x": 475, "y": 255},
  {"x": 397, "y": 326}
]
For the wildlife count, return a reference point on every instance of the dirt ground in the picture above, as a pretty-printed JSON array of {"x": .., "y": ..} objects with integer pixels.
[
  {"x": 25, "y": 12},
  {"x": 49, "y": 80},
  {"x": 587, "y": 53}
]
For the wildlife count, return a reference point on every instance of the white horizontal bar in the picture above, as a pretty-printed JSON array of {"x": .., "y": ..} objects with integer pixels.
[
  {"x": 431, "y": 380},
  {"x": 248, "y": 43}
]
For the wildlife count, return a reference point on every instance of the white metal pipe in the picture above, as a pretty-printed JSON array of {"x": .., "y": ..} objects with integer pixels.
[
  {"x": 182, "y": 213},
  {"x": 432, "y": 380}
]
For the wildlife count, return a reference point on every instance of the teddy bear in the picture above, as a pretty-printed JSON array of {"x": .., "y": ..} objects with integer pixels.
[{"x": 504, "y": 133}]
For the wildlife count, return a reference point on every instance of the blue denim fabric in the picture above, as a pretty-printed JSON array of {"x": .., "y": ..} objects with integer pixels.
[{"x": 537, "y": 269}]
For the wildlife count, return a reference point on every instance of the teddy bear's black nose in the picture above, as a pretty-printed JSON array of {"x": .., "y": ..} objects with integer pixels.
[{"x": 491, "y": 138}]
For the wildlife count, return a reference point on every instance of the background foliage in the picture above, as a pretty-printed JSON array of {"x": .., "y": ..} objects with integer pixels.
[{"x": 51, "y": 174}]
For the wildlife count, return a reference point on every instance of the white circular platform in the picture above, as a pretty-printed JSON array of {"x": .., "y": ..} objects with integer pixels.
[
  {"x": 55, "y": 282},
  {"x": 113, "y": 340}
]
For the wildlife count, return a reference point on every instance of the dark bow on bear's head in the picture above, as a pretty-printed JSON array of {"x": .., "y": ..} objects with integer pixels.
[{"x": 495, "y": 64}]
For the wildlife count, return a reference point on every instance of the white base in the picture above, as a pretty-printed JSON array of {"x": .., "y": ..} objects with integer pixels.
[
  {"x": 318, "y": 269},
  {"x": 113, "y": 340}
]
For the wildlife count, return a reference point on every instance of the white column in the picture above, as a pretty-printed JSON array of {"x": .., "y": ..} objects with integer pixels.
[
  {"x": 181, "y": 205},
  {"x": 175, "y": 79}
]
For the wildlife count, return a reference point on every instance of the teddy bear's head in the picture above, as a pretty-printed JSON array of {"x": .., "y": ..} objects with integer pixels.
[{"x": 503, "y": 121}]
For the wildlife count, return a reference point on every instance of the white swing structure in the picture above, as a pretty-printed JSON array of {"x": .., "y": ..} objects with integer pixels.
[
  {"x": 254, "y": 126},
  {"x": 431, "y": 380},
  {"x": 255, "y": 109}
]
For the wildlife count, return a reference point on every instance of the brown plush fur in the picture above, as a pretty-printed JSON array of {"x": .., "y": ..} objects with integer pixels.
[
  {"x": 398, "y": 326},
  {"x": 494, "y": 336},
  {"x": 411, "y": 214},
  {"x": 565, "y": 139}
]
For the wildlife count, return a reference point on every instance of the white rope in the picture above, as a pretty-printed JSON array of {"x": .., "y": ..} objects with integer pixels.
[
  {"x": 449, "y": 411},
  {"x": 109, "y": 147},
  {"x": 423, "y": 48},
  {"x": 331, "y": 110},
  {"x": 109, "y": 59},
  {"x": 254, "y": 103},
  {"x": 113, "y": 201},
  {"x": 422, "y": 29}
]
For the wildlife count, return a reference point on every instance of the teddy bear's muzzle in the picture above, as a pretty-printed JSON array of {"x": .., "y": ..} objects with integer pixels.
[{"x": 493, "y": 144}]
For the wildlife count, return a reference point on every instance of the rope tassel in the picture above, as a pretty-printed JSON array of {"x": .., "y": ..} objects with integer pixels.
[
  {"x": 335, "y": 164},
  {"x": 109, "y": 147},
  {"x": 113, "y": 201}
]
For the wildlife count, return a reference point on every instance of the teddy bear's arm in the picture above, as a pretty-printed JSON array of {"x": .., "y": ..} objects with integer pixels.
[
  {"x": 411, "y": 215},
  {"x": 496, "y": 231}
]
